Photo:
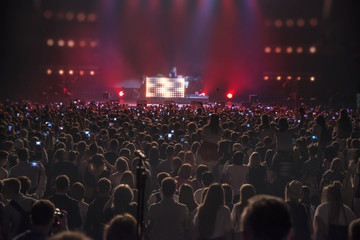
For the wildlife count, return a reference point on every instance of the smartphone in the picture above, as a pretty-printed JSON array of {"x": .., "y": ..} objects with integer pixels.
[
  {"x": 182, "y": 140},
  {"x": 169, "y": 135},
  {"x": 45, "y": 134},
  {"x": 38, "y": 143},
  {"x": 111, "y": 124},
  {"x": 161, "y": 136},
  {"x": 34, "y": 164},
  {"x": 298, "y": 121},
  {"x": 314, "y": 137},
  {"x": 10, "y": 127},
  {"x": 75, "y": 102},
  {"x": 115, "y": 119},
  {"x": 61, "y": 128},
  {"x": 87, "y": 133},
  {"x": 247, "y": 125},
  {"x": 156, "y": 120},
  {"x": 172, "y": 131},
  {"x": 49, "y": 124}
]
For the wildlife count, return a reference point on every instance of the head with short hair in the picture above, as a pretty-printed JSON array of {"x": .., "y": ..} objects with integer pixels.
[
  {"x": 121, "y": 227},
  {"x": 127, "y": 178},
  {"x": 42, "y": 212},
  {"x": 62, "y": 183},
  {"x": 77, "y": 191},
  {"x": 104, "y": 186},
  {"x": 170, "y": 151},
  {"x": 228, "y": 192},
  {"x": 238, "y": 158},
  {"x": 293, "y": 191},
  {"x": 265, "y": 218},
  {"x": 121, "y": 165},
  {"x": 161, "y": 176},
  {"x": 336, "y": 165},
  {"x": 246, "y": 192},
  {"x": 201, "y": 168},
  {"x": 114, "y": 145},
  {"x": 354, "y": 229},
  {"x": 3, "y": 157},
  {"x": 23, "y": 154},
  {"x": 25, "y": 183},
  {"x": 207, "y": 178},
  {"x": 69, "y": 235},
  {"x": 11, "y": 187},
  {"x": 254, "y": 160},
  {"x": 185, "y": 171},
  {"x": 168, "y": 186},
  {"x": 123, "y": 196}
]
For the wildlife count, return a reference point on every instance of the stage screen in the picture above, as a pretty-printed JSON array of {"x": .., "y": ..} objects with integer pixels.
[{"x": 162, "y": 87}]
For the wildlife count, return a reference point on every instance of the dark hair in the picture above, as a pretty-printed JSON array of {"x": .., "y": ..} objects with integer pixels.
[
  {"x": 42, "y": 212},
  {"x": 3, "y": 155},
  {"x": 201, "y": 168},
  {"x": 62, "y": 183},
  {"x": 97, "y": 160},
  {"x": 228, "y": 192},
  {"x": 186, "y": 196},
  {"x": 266, "y": 218},
  {"x": 354, "y": 229},
  {"x": 207, "y": 178},
  {"x": 168, "y": 186},
  {"x": 69, "y": 235},
  {"x": 121, "y": 164},
  {"x": 238, "y": 158},
  {"x": 121, "y": 227},
  {"x": 25, "y": 183},
  {"x": 23, "y": 154},
  {"x": 77, "y": 191},
  {"x": 170, "y": 150},
  {"x": 114, "y": 144},
  {"x": 161, "y": 176},
  {"x": 283, "y": 124},
  {"x": 104, "y": 186},
  {"x": 185, "y": 171},
  {"x": 12, "y": 183}
]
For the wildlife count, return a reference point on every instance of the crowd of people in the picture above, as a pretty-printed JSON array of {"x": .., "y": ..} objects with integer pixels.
[{"x": 70, "y": 171}]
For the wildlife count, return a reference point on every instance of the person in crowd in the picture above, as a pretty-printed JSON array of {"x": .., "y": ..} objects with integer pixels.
[
  {"x": 213, "y": 220},
  {"x": 332, "y": 217},
  {"x": 186, "y": 196},
  {"x": 77, "y": 192},
  {"x": 25, "y": 168},
  {"x": 335, "y": 173},
  {"x": 93, "y": 223},
  {"x": 121, "y": 166},
  {"x": 121, "y": 227},
  {"x": 354, "y": 229},
  {"x": 62, "y": 201},
  {"x": 344, "y": 125},
  {"x": 197, "y": 179},
  {"x": 246, "y": 192},
  {"x": 65, "y": 165},
  {"x": 257, "y": 173},
  {"x": 228, "y": 195},
  {"x": 184, "y": 175},
  {"x": 300, "y": 217},
  {"x": 69, "y": 235},
  {"x": 207, "y": 178},
  {"x": 168, "y": 219},
  {"x": 166, "y": 165},
  {"x": 16, "y": 214},
  {"x": 3, "y": 162},
  {"x": 26, "y": 183},
  {"x": 266, "y": 218},
  {"x": 237, "y": 174},
  {"x": 112, "y": 155},
  {"x": 264, "y": 129}
]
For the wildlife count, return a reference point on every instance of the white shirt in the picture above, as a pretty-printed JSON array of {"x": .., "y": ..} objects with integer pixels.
[{"x": 322, "y": 212}]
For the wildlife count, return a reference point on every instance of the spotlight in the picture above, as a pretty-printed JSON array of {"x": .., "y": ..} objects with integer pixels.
[
  {"x": 278, "y": 50},
  {"x": 267, "y": 49},
  {"x": 92, "y": 73},
  {"x": 81, "y": 72},
  {"x": 92, "y": 17},
  {"x": 71, "y": 72},
  {"x": 298, "y": 78},
  {"x": 266, "y": 78},
  {"x": 278, "y": 23},
  {"x": 289, "y": 77},
  {"x": 312, "y": 49},
  {"x": 313, "y": 22},
  {"x": 61, "y": 72},
  {"x": 289, "y": 50},
  {"x": 289, "y": 22},
  {"x": 82, "y": 44},
  {"x": 278, "y": 78},
  {"x": 61, "y": 43},
  {"x": 81, "y": 17},
  {"x": 50, "y": 42},
  {"x": 121, "y": 93},
  {"x": 300, "y": 22},
  {"x": 299, "y": 50},
  {"x": 312, "y": 79},
  {"x": 69, "y": 16},
  {"x": 71, "y": 43},
  {"x": 229, "y": 95},
  {"x": 48, "y": 71},
  {"x": 93, "y": 44},
  {"x": 203, "y": 94}
]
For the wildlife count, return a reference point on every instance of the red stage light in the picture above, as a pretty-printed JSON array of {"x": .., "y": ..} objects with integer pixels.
[
  {"x": 93, "y": 44},
  {"x": 266, "y": 78},
  {"x": 81, "y": 17},
  {"x": 48, "y": 72},
  {"x": 71, "y": 72},
  {"x": 121, "y": 93},
  {"x": 50, "y": 42},
  {"x": 312, "y": 49},
  {"x": 288, "y": 77},
  {"x": 298, "y": 78},
  {"x": 278, "y": 78},
  {"x": 229, "y": 95},
  {"x": 81, "y": 73},
  {"x": 312, "y": 79},
  {"x": 299, "y": 50},
  {"x": 61, "y": 72},
  {"x": 267, "y": 50},
  {"x": 289, "y": 50},
  {"x": 278, "y": 49},
  {"x": 71, "y": 43},
  {"x": 203, "y": 94},
  {"x": 82, "y": 43},
  {"x": 92, "y": 73}
]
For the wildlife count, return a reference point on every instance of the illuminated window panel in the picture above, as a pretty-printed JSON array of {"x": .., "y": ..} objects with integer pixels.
[{"x": 162, "y": 87}]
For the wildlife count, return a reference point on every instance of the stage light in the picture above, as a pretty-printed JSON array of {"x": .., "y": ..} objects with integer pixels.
[
  {"x": 312, "y": 49},
  {"x": 298, "y": 78},
  {"x": 48, "y": 14},
  {"x": 93, "y": 44},
  {"x": 312, "y": 79},
  {"x": 289, "y": 22},
  {"x": 278, "y": 78},
  {"x": 300, "y": 22},
  {"x": 50, "y": 42},
  {"x": 71, "y": 43},
  {"x": 71, "y": 72},
  {"x": 82, "y": 44},
  {"x": 92, "y": 73},
  {"x": 267, "y": 49},
  {"x": 61, "y": 72},
  {"x": 92, "y": 17},
  {"x": 289, "y": 50},
  {"x": 266, "y": 78},
  {"x": 289, "y": 77},
  {"x": 229, "y": 95},
  {"x": 81, "y": 72},
  {"x": 299, "y": 50},
  {"x": 278, "y": 50},
  {"x": 313, "y": 22},
  {"x": 121, "y": 93},
  {"x": 69, "y": 16},
  {"x": 81, "y": 17},
  {"x": 203, "y": 94},
  {"x": 278, "y": 23},
  {"x": 61, "y": 43},
  {"x": 48, "y": 71}
]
